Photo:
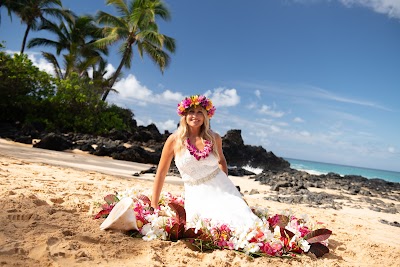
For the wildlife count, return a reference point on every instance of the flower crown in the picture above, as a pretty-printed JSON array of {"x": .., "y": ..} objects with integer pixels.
[{"x": 193, "y": 101}]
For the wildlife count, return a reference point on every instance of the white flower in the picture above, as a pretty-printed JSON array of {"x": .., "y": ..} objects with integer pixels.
[
  {"x": 304, "y": 245},
  {"x": 147, "y": 231},
  {"x": 240, "y": 238},
  {"x": 251, "y": 248},
  {"x": 268, "y": 235},
  {"x": 277, "y": 231},
  {"x": 167, "y": 211},
  {"x": 304, "y": 217},
  {"x": 152, "y": 232}
]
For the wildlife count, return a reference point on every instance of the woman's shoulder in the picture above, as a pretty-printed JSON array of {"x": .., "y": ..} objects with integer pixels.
[
  {"x": 172, "y": 138},
  {"x": 215, "y": 135}
]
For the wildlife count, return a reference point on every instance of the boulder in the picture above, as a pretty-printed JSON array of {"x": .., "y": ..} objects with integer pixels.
[{"x": 53, "y": 141}]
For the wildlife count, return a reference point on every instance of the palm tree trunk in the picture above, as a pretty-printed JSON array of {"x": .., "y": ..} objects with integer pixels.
[
  {"x": 28, "y": 28},
  {"x": 114, "y": 79}
]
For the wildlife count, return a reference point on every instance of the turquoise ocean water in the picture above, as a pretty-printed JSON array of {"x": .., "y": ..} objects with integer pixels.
[{"x": 323, "y": 168}]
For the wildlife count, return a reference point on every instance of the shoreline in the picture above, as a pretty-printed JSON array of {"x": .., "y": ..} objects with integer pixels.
[
  {"x": 53, "y": 206},
  {"x": 323, "y": 168}
]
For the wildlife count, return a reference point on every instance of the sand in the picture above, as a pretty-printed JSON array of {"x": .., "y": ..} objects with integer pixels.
[{"x": 48, "y": 200}]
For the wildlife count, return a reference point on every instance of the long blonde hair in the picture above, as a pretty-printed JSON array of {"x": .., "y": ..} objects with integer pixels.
[{"x": 182, "y": 133}]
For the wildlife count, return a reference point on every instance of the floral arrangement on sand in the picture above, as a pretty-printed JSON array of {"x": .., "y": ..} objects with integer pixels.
[{"x": 275, "y": 235}]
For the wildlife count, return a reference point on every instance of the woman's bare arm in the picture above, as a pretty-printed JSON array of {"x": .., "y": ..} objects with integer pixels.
[
  {"x": 162, "y": 169},
  {"x": 221, "y": 161}
]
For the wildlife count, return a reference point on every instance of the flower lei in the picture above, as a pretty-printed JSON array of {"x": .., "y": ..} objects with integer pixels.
[
  {"x": 193, "y": 101},
  {"x": 197, "y": 153},
  {"x": 277, "y": 235}
]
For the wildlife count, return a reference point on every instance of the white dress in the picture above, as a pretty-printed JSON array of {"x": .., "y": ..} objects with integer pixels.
[{"x": 210, "y": 194}]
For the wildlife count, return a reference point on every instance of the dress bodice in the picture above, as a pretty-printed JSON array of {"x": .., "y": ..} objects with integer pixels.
[{"x": 192, "y": 169}]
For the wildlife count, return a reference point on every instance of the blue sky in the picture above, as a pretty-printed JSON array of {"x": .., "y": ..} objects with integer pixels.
[{"x": 307, "y": 79}]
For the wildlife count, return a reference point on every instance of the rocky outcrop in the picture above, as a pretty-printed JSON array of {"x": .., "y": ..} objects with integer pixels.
[
  {"x": 292, "y": 186},
  {"x": 240, "y": 155},
  {"x": 53, "y": 141}
]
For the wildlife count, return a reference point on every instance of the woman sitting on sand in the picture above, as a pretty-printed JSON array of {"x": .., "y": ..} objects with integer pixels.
[
  {"x": 209, "y": 193},
  {"x": 215, "y": 210}
]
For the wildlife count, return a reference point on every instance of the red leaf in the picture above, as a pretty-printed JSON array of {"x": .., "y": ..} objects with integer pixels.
[
  {"x": 318, "y": 235},
  {"x": 318, "y": 249},
  {"x": 189, "y": 233},
  {"x": 102, "y": 213},
  {"x": 180, "y": 212},
  {"x": 176, "y": 232},
  {"x": 145, "y": 199},
  {"x": 286, "y": 233},
  {"x": 278, "y": 220},
  {"x": 111, "y": 199}
]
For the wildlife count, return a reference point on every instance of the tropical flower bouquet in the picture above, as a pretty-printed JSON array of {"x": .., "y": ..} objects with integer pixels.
[{"x": 274, "y": 235}]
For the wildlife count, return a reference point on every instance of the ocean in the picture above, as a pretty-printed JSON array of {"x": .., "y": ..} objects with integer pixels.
[{"x": 318, "y": 168}]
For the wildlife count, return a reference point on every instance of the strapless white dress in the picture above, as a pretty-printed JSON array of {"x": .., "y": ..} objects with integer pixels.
[{"x": 210, "y": 194}]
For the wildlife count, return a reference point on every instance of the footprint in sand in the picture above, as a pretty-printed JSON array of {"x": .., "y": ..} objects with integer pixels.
[
  {"x": 23, "y": 217},
  {"x": 60, "y": 248}
]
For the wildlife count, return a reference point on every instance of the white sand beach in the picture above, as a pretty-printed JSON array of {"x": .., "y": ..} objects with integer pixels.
[{"x": 48, "y": 200}]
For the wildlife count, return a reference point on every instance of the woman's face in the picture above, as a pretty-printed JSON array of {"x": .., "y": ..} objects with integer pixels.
[{"x": 195, "y": 117}]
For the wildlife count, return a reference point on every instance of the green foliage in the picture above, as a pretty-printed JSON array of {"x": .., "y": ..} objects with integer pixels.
[
  {"x": 22, "y": 86},
  {"x": 31, "y": 96},
  {"x": 80, "y": 108}
]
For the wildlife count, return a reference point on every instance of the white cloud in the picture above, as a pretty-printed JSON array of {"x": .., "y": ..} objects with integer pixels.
[
  {"x": 252, "y": 105},
  {"x": 391, "y": 150},
  {"x": 40, "y": 62},
  {"x": 110, "y": 70},
  {"x": 298, "y": 119},
  {"x": 257, "y": 93},
  {"x": 130, "y": 87},
  {"x": 389, "y": 7},
  {"x": 224, "y": 97},
  {"x": 305, "y": 133},
  {"x": 275, "y": 129},
  {"x": 270, "y": 111},
  {"x": 168, "y": 125},
  {"x": 324, "y": 94},
  {"x": 173, "y": 96}
]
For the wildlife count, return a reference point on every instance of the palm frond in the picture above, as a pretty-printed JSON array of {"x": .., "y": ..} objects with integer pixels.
[
  {"x": 42, "y": 42},
  {"x": 53, "y": 60},
  {"x": 120, "y": 5}
]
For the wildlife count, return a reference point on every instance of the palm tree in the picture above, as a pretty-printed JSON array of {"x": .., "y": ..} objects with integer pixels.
[
  {"x": 136, "y": 25},
  {"x": 33, "y": 12},
  {"x": 7, "y": 4},
  {"x": 74, "y": 36}
]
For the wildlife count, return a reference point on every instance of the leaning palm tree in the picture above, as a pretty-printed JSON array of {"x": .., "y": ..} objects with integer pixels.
[
  {"x": 33, "y": 12},
  {"x": 136, "y": 25},
  {"x": 101, "y": 77},
  {"x": 75, "y": 38}
]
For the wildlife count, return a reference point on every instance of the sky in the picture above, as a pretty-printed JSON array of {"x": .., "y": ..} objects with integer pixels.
[{"x": 315, "y": 80}]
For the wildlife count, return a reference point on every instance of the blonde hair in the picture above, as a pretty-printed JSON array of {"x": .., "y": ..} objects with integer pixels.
[{"x": 182, "y": 133}]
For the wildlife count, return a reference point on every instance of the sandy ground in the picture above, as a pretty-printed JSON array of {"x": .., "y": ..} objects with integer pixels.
[{"x": 48, "y": 200}]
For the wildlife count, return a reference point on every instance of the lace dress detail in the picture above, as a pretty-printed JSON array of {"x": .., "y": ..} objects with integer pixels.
[{"x": 210, "y": 194}]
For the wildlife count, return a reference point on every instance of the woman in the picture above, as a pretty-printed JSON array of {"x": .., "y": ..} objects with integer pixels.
[{"x": 209, "y": 194}]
